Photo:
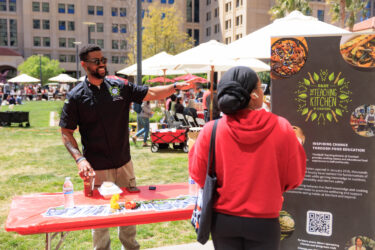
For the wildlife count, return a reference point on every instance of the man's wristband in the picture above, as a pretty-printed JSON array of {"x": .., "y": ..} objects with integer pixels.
[
  {"x": 175, "y": 86},
  {"x": 80, "y": 159}
]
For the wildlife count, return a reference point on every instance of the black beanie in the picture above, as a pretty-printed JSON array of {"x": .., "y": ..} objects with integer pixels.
[{"x": 234, "y": 89}]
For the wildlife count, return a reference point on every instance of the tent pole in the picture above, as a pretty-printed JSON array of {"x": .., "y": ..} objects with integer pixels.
[{"x": 212, "y": 90}]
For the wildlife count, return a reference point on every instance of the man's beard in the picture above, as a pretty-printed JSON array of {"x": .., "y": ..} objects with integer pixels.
[{"x": 96, "y": 74}]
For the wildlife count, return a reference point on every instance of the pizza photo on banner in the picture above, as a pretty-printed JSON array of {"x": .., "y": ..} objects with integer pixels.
[{"x": 326, "y": 86}]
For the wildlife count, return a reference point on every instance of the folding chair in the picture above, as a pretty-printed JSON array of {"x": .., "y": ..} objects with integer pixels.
[
  {"x": 180, "y": 117},
  {"x": 172, "y": 123},
  {"x": 190, "y": 121},
  {"x": 200, "y": 122}
]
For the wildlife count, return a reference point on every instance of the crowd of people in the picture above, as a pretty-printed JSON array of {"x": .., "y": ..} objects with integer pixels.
[{"x": 18, "y": 93}]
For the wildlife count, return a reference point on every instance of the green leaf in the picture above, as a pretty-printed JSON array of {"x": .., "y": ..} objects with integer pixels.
[
  {"x": 341, "y": 82},
  {"x": 303, "y": 96},
  {"x": 329, "y": 116},
  {"x": 316, "y": 77},
  {"x": 313, "y": 116},
  {"x": 304, "y": 111},
  {"x": 339, "y": 112},
  {"x": 307, "y": 82},
  {"x": 331, "y": 76},
  {"x": 343, "y": 96}
]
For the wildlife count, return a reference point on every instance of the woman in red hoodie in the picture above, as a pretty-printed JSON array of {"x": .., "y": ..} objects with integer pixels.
[{"x": 258, "y": 157}]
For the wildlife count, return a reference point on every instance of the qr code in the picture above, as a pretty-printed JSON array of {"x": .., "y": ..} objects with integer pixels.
[{"x": 319, "y": 223}]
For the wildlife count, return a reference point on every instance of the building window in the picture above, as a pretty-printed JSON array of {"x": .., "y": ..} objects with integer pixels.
[
  {"x": 71, "y": 8},
  {"x": 71, "y": 42},
  {"x": 189, "y": 11},
  {"x": 91, "y": 10},
  {"x": 208, "y": 16},
  {"x": 62, "y": 25},
  {"x": 122, "y": 12},
  {"x": 208, "y": 2},
  {"x": 61, "y": 8},
  {"x": 228, "y": 24},
  {"x": 238, "y": 36},
  {"x": 114, "y": 28},
  {"x": 12, "y": 5},
  {"x": 171, "y": 1},
  {"x": 239, "y": 3},
  {"x": 239, "y": 20},
  {"x": 71, "y": 58},
  {"x": 228, "y": 40},
  {"x": 91, "y": 28},
  {"x": 123, "y": 44},
  {"x": 46, "y": 42},
  {"x": 208, "y": 31},
  {"x": 99, "y": 27},
  {"x": 62, "y": 58},
  {"x": 196, "y": 11},
  {"x": 150, "y": 1},
  {"x": 115, "y": 44},
  {"x": 115, "y": 59},
  {"x": 321, "y": 15},
  {"x": 123, "y": 59},
  {"x": 216, "y": 12},
  {"x": 92, "y": 41},
  {"x": 123, "y": 28},
  {"x": 196, "y": 37},
  {"x": 36, "y": 41},
  {"x": 45, "y": 7},
  {"x": 114, "y": 11},
  {"x": 163, "y": 1},
  {"x": 46, "y": 24},
  {"x": 99, "y": 10},
  {"x": 36, "y": 24},
  {"x": 3, "y": 32},
  {"x": 228, "y": 7},
  {"x": 3, "y": 5},
  {"x": 13, "y": 32},
  {"x": 62, "y": 42},
  {"x": 36, "y": 6},
  {"x": 100, "y": 43},
  {"x": 217, "y": 28},
  {"x": 70, "y": 25}
]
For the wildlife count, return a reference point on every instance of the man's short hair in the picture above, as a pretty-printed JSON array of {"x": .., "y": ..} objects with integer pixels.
[{"x": 85, "y": 50}]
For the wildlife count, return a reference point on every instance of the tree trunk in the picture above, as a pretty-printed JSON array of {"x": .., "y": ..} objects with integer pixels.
[{"x": 342, "y": 13}]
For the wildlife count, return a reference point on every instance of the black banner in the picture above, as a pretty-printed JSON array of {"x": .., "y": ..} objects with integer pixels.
[{"x": 326, "y": 86}]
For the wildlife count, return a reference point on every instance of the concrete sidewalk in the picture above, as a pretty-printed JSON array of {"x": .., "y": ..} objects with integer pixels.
[{"x": 190, "y": 246}]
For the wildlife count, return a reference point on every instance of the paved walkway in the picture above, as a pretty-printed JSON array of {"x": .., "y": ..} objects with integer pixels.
[{"x": 190, "y": 246}]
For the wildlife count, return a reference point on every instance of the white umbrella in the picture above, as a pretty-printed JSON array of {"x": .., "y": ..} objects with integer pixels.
[
  {"x": 24, "y": 78},
  {"x": 82, "y": 78},
  {"x": 62, "y": 78},
  {"x": 153, "y": 66},
  {"x": 258, "y": 43}
]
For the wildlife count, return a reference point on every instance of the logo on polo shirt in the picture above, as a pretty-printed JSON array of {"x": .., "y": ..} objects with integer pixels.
[{"x": 115, "y": 93}]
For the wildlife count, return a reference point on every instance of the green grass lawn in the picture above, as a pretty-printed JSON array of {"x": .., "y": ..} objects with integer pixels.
[{"x": 34, "y": 160}]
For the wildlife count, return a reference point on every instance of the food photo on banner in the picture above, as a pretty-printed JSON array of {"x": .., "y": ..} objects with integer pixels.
[{"x": 325, "y": 85}]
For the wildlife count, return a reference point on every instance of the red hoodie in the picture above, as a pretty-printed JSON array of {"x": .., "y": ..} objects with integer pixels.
[{"x": 258, "y": 157}]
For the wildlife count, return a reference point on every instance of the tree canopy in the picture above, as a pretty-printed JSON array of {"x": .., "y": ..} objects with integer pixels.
[
  {"x": 31, "y": 66},
  {"x": 346, "y": 11},
  {"x": 281, "y": 8},
  {"x": 161, "y": 32}
]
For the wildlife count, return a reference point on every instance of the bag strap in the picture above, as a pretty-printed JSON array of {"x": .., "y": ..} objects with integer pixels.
[{"x": 211, "y": 152}]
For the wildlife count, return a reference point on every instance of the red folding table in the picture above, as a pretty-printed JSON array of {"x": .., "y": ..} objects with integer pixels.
[{"x": 25, "y": 216}]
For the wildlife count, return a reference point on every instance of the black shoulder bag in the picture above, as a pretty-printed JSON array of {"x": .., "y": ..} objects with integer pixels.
[{"x": 202, "y": 214}]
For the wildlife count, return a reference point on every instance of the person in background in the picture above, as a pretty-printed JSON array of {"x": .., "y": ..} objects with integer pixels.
[
  {"x": 199, "y": 94},
  {"x": 100, "y": 107},
  {"x": 258, "y": 157},
  {"x": 11, "y": 100},
  {"x": 144, "y": 119},
  {"x": 170, "y": 100},
  {"x": 204, "y": 104},
  {"x": 216, "y": 113},
  {"x": 179, "y": 107},
  {"x": 190, "y": 109},
  {"x": 370, "y": 120},
  {"x": 358, "y": 244}
]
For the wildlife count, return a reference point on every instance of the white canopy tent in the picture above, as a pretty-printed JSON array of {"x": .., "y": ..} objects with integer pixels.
[
  {"x": 24, "y": 78},
  {"x": 153, "y": 66},
  {"x": 62, "y": 78},
  {"x": 258, "y": 43}
]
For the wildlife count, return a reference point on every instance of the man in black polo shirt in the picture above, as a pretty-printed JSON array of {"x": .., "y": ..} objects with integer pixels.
[{"x": 99, "y": 106}]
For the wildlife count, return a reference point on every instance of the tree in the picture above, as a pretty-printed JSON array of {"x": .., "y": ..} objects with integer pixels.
[
  {"x": 284, "y": 7},
  {"x": 347, "y": 9},
  {"x": 31, "y": 66},
  {"x": 161, "y": 32}
]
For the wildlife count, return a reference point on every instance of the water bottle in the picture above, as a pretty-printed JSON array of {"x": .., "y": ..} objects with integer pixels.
[
  {"x": 193, "y": 187},
  {"x": 68, "y": 193}
]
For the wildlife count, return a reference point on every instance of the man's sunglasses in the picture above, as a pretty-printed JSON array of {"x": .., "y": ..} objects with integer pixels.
[{"x": 97, "y": 60}]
